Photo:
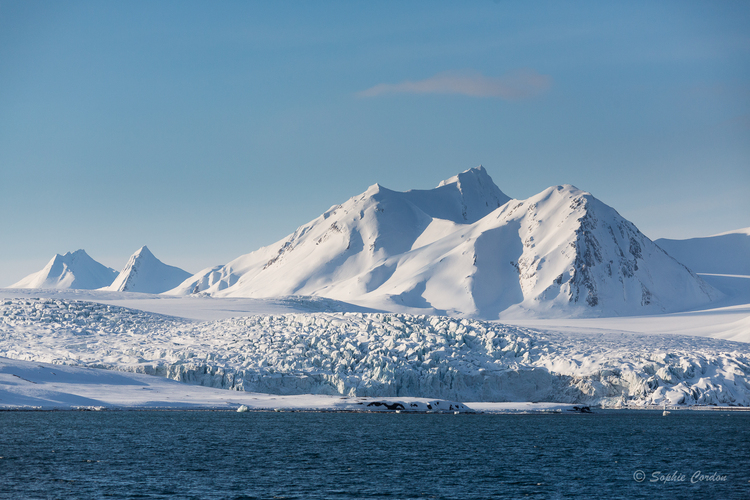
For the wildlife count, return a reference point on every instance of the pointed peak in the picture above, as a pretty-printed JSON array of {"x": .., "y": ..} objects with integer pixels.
[
  {"x": 143, "y": 252},
  {"x": 78, "y": 253},
  {"x": 70, "y": 257},
  {"x": 479, "y": 173},
  {"x": 375, "y": 188},
  {"x": 147, "y": 274}
]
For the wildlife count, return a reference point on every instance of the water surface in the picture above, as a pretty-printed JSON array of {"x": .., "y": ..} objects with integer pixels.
[{"x": 212, "y": 455}]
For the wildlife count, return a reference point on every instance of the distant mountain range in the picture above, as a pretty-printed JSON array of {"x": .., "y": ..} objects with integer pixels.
[
  {"x": 463, "y": 248},
  {"x": 143, "y": 273}
]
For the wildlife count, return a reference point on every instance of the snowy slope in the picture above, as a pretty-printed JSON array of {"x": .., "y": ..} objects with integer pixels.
[
  {"x": 381, "y": 355},
  {"x": 581, "y": 256},
  {"x": 724, "y": 322},
  {"x": 147, "y": 274},
  {"x": 73, "y": 270},
  {"x": 725, "y": 253},
  {"x": 465, "y": 249},
  {"x": 351, "y": 239}
]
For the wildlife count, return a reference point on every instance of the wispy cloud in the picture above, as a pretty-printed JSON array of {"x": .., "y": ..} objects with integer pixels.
[{"x": 517, "y": 85}]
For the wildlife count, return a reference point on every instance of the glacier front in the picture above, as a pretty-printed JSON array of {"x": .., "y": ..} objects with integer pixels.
[{"x": 379, "y": 354}]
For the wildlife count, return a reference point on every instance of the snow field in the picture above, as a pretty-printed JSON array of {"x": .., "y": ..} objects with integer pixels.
[
  {"x": 380, "y": 355},
  {"x": 42, "y": 386}
]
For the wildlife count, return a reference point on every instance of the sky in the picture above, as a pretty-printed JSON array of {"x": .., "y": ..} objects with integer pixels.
[{"x": 206, "y": 130}]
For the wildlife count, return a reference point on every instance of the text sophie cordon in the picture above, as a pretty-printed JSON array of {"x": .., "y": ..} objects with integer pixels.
[{"x": 678, "y": 477}]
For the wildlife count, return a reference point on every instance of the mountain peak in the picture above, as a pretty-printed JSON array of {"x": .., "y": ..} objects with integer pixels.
[
  {"x": 73, "y": 270},
  {"x": 465, "y": 248},
  {"x": 474, "y": 193},
  {"x": 78, "y": 253},
  {"x": 143, "y": 252},
  {"x": 147, "y": 274},
  {"x": 477, "y": 174},
  {"x": 374, "y": 189}
]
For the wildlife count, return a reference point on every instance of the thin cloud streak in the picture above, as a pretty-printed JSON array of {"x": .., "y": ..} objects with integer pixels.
[{"x": 517, "y": 85}]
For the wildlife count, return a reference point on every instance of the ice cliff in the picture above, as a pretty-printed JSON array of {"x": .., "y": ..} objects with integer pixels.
[{"x": 381, "y": 355}]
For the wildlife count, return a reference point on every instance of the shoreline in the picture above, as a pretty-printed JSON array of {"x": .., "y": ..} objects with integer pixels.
[
  {"x": 34, "y": 386},
  {"x": 509, "y": 409}
]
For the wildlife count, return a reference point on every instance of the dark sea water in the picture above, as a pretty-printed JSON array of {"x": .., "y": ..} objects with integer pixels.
[{"x": 175, "y": 454}]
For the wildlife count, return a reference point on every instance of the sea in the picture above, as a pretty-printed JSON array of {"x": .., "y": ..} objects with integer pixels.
[{"x": 607, "y": 454}]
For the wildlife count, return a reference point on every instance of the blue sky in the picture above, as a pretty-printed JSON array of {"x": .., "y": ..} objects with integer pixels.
[{"x": 208, "y": 129}]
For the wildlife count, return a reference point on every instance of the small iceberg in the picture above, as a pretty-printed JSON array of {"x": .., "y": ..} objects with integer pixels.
[{"x": 242, "y": 409}]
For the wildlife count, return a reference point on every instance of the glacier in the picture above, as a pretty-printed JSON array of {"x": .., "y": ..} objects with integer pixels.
[
  {"x": 457, "y": 293},
  {"x": 27, "y": 385},
  {"x": 381, "y": 355}
]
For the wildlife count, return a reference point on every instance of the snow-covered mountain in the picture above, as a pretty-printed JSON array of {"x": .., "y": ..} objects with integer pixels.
[
  {"x": 465, "y": 248},
  {"x": 146, "y": 274},
  {"x": 725, "y": 253},
  {"x": 72, "y": 270},
  {"x": 320, "y": 257}
]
